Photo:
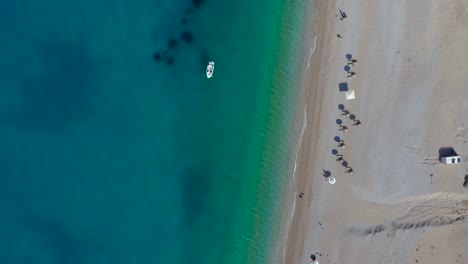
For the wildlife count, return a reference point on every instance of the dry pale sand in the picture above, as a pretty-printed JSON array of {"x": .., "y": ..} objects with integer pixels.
[{"x": 400, "y": 205}]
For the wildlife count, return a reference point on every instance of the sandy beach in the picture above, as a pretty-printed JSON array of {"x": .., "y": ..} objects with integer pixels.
[{"x": 400, "y": 205}]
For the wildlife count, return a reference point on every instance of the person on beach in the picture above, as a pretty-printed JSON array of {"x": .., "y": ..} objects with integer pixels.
[
  {"x": 313, "y": 259},
  {"x": 326, "y": 173},
  {"x": 342, "y": 15},
  {"x": 339, "y": 36}
]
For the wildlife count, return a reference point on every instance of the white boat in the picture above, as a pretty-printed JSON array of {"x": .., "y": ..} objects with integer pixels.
[{"x": 210, "y": 69}]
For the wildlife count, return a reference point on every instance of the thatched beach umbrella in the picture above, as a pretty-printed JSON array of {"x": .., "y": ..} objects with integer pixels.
[
  {"x": 345, "y": 113},
  {"x": 339, "y": 158},
  {"x": 343, "y": 128},
  {"x": 357, "y": 123},
  {"x": 352, "y": 62},
  {"x": 341, "y": 144}
]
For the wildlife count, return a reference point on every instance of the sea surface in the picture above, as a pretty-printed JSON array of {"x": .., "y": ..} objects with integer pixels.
[{"x": 116, "y": 148}]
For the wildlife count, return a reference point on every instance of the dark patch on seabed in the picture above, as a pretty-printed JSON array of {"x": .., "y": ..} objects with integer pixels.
[
  {"x": 196, "y": 187},
  {"x": 48, "y": 242},
  {"x": 62, "y": 92},
  {"x": 168, "y": 54}
]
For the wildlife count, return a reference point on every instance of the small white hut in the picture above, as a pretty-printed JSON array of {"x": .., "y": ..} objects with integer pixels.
[{"x": 451, "y": 160}]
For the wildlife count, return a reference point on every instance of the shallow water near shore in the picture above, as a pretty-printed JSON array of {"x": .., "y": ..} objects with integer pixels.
[{"x": 116, "y": 148}]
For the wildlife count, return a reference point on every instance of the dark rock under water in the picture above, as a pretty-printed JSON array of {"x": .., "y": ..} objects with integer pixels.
[
  {"x": 186, "y": 36},
  {"x": 157, "y": 56},
  {"x": 170, "y": 60},
  {"x": 172, "y": 43},
  {"x": 197, "y": 3}
]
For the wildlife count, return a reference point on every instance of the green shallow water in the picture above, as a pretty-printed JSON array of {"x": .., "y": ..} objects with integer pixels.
[{"x": 108, "y": 156}]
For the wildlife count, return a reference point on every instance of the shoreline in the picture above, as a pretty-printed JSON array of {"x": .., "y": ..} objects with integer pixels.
[
  {"x": 311, "y": 110},
  {"x": 304, "y": 44},
  {"x": 299, "y": 122}
]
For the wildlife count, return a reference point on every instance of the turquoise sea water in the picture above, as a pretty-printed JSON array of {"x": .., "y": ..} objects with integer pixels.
[{"x": 111, "y": 155}]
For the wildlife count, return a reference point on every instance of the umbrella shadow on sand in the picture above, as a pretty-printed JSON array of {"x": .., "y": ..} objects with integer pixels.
[{"x": 326, "y": 173}]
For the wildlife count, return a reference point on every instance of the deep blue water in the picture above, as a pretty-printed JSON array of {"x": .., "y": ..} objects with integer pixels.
[{"x": 108, "y": 155}]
